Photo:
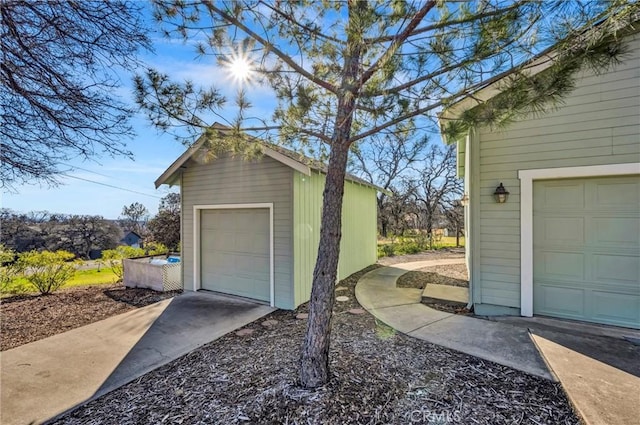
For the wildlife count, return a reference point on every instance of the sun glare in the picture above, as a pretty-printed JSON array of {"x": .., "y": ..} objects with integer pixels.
[{"x": 239, "y": 68}]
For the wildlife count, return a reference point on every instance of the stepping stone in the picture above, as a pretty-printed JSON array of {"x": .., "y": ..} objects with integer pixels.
[
  {"x": 244, "y": 332},
  {"x": 356, "y": 311},
  {"x": 269, "y": 323},
  {"x": 302, "y": 316},
  {"x": 342, "y": 298},
  {"x": 341, "y": 288}
]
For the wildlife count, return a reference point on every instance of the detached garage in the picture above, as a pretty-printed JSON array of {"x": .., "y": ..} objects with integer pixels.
[{"x": 251, "y": 228}]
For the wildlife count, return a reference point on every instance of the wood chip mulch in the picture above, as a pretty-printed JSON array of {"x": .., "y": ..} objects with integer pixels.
[
  {"x": 29, "y": 318},
  {"x": 378, "y": 377}
]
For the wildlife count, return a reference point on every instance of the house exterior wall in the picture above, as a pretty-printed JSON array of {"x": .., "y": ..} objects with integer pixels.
[
  {"x": 237, "y": 181},
  {"x": 359, "y": 229},
  {"x": 597, "y": 125}
]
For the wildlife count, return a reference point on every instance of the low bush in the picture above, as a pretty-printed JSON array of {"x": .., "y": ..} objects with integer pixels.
[
  {"x": 9, "y": 273},
  {"x": 113, "y": 258},
  {"x": 386, "y": 250},
  {"x": 46, "y": 271},
  {"x": 155, "y": 248}
]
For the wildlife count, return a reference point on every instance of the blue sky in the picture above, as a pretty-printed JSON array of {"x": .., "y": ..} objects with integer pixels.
[{"x": 153, "y": 152}]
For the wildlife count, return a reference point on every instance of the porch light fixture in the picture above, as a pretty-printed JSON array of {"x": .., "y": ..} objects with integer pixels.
[
  {"x": 501, "y": 194},
  {"x": 464, "y": 201}
]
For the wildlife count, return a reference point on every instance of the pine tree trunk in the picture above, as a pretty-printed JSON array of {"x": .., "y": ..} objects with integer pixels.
[
  {"x": 314, "y": 361},
  {"x": 314, "y": 369}
]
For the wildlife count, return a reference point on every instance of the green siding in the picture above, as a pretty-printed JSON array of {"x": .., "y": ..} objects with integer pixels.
[
  {"x": 359, "y": 231},
  {"x": 597, "y": 125}
]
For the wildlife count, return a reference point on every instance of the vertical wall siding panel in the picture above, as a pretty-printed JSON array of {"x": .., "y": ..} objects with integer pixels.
[{"x": 359, "y": 231}]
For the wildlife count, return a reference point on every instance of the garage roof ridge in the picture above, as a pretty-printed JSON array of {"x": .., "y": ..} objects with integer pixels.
[{"x": 292, "y": 159}]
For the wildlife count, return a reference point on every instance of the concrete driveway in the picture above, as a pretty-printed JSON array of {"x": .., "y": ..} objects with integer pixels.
[{"x": 45, "y": 378}]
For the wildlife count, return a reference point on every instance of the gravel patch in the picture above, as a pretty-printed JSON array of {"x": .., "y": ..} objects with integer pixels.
[
  {"x": 29, "y": 318},
  {"x": 423, "y": 256},
  {"x": 378, "y": 377}
]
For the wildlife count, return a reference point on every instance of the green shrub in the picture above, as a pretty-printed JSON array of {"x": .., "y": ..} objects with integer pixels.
[
  {"x": 9, "y": 273},
  {"x": 47, "y": 271},
  {"x": 386, "y": 250},
  {"x": 408, "y": 247},
  {"x": 113, "y": 258},
  {"x": 155, "y": 248}
]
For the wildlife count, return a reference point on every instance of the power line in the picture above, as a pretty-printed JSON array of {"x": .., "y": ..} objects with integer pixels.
[
  {"x": 111, "y": 186},
  {"x": 84, "y": 169}
]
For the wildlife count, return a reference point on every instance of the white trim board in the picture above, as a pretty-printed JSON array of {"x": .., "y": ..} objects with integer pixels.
[
  {"x": 196, "y": 241},
  {"x": 527, "y": 177}
]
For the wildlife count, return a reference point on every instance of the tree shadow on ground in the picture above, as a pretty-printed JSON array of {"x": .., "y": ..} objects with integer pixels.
[
  {"x": 419, "y": 280},
  {"x": 138, "y": 297}
]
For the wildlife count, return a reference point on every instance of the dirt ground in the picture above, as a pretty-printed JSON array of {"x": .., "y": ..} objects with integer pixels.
[
  {"x": 28, "y": 318},
  {"x": 378, "y": 377}
]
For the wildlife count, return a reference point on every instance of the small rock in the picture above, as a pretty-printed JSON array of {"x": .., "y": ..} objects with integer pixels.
[
  {"x": 341, "y": 288},
  {"x": 244, "y": 332},
  {"x": 269, "y": 323},
  {"x": 301, "y": 316},
  {"x": 342, "y": 298},
  {"x": 356, "y": 311}
]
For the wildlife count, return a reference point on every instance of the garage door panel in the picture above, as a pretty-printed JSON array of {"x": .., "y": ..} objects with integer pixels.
[
  {"x": 616, "y": 193},
  {"x": 587, "y": 258},
  {"x": 613, "y": 308},
  {"x": 235, "y": 252},
  {"x": 621, "y": 231},
  {"x": 564, "y": 230},
  {"x": 621, "y": 268},
  {"x": 560, "y": 195},
  {"x": 556, "y": 300},
  {"x": 559, "y": 265}
]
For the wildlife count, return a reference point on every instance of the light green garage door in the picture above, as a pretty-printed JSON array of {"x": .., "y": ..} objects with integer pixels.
[
  {"x": 587, "y": 249},
  {"x": 234, "y": 252}
]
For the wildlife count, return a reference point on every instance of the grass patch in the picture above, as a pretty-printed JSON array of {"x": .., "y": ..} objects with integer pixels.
[
  {"x": 103, "y": 276},
  {"x": 92, "y": 277}
]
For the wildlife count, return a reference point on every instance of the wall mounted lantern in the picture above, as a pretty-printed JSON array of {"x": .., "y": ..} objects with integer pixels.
[
  {"x": 501, "y": 194},
  {"x": 464, "y": 201}
]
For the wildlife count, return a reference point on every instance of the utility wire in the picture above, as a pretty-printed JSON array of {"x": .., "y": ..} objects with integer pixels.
[
  {"x": 84, "y": 169},
  {"x": 111, "y": 186}
]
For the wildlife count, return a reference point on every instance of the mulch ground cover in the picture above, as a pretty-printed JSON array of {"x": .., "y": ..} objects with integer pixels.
[
  {"x": 378, "y": 377},
  {"x": 28, "y": 318}
]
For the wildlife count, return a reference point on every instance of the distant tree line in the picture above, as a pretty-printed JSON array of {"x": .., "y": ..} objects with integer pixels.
[
  {"x": 422, "y": 190},
  {"x": 41, "y": 230},
  {"x": 80, "y": 234}
]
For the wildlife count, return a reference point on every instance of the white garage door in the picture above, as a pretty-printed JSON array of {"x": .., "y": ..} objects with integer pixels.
[
  {"x": 235, "y": 252},
  {"x": 586, "y": 249}
]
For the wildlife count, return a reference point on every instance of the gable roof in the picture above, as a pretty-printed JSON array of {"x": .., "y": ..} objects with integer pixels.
[
  {"x": 131, "y": 232},
  {"x": 291, "y": 159},
  {"x": 532, "y": 67}
]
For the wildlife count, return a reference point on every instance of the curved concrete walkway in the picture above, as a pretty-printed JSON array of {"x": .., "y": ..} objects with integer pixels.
[
  {"x": 598, "y": 366},
  {"x": 401, "y": 308}
]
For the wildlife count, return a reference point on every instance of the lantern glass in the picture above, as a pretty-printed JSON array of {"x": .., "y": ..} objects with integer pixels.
[{"x": 501, "y": 194}]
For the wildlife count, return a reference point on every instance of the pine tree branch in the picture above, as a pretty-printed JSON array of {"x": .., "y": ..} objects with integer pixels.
[
  {"x": 397, "y": 41},
  {"x": 304, "y": 27},
  {"x": 445, "y": 24},
  {"x": 283, "y": 56}
]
